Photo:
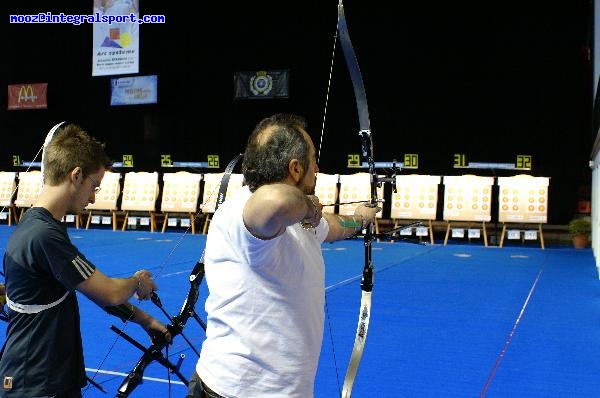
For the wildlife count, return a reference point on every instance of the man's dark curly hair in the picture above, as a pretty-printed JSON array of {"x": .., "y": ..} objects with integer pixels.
[{"x": 274, "y": 142}]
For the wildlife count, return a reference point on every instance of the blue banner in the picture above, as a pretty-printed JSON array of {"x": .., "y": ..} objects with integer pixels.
[{"x": 134, "y": 90}]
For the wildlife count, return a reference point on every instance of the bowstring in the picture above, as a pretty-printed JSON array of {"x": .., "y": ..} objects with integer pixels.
[
  {"x": 335, "y": 36},
  {"x": 328, "y": 90}
]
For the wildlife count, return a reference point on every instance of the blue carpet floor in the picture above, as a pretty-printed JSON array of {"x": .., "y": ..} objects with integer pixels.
[{"x": 461, "y": 320}]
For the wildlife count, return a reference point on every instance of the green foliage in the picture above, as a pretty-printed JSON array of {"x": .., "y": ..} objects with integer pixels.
[{"x": 579, "y": 226}]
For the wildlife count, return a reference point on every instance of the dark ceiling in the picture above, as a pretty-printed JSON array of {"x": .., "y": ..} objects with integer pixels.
[{"x": 491, "y": 81}]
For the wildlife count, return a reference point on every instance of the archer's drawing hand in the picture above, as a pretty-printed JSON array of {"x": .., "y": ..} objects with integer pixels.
[{"x": 315, "y": 212}]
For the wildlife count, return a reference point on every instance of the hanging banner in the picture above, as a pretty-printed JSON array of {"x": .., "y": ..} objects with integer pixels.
[
  {"x": 27, "y": 96},
  {"x": 134, "y": 90},
  {"x": 261, "y": 84},
  {"x": 116, "y": 44}
]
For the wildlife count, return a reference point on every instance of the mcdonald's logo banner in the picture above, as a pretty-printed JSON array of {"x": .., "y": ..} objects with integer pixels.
[{"x": 27, "y": 96}]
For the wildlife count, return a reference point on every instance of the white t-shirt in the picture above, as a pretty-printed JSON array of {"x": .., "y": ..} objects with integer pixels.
[{"x": 265, "y": 307}]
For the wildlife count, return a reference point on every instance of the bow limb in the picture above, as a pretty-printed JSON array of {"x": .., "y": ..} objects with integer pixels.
[
  {"x": 367, "y": 151},
  {"x": 47, "y": 140},
  {"x": 225, "y": 180},
  {"x": 188, "y": 310}
]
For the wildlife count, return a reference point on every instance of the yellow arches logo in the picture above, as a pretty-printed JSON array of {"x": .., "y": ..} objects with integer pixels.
[{"x": 26, "y": 94}]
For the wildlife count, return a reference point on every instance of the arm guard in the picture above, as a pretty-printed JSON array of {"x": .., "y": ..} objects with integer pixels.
[{"x": 124, "y": 311}]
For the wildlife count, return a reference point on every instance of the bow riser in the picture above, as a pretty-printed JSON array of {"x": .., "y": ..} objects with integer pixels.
[{"x": 178, "y": 323}]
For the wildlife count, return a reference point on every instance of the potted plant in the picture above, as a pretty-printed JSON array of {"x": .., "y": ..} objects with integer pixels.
[{"x": 580, "y": 229}]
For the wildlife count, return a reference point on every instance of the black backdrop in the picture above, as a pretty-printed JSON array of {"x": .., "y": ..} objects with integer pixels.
[{"x": 489, "y": 81}]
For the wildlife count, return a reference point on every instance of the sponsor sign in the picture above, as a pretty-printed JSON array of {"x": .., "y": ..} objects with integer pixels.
[
  {"x": 27, "y": 96},
  {"x": 134, "y": 90}
]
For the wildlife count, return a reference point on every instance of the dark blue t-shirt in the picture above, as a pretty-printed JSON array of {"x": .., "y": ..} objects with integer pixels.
[{"x": 43, "y": 353}]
